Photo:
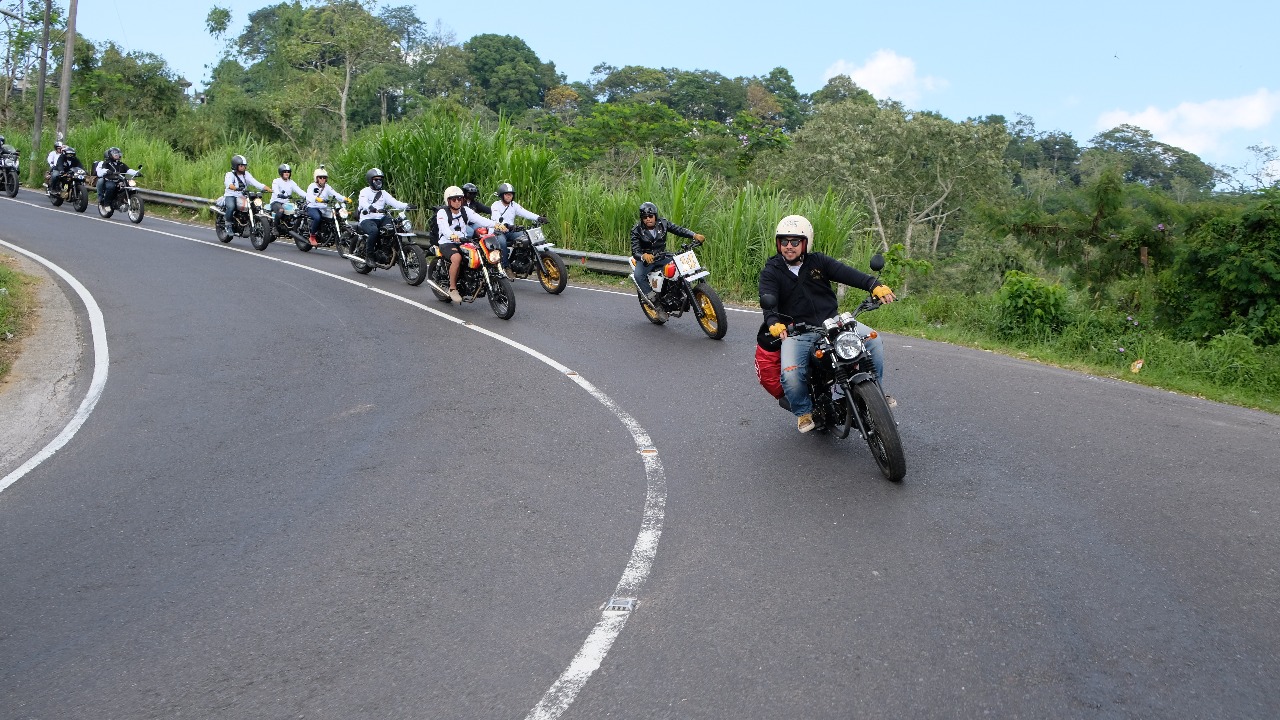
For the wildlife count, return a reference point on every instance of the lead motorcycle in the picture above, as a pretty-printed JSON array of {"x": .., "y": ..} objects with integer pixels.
[
  {"x": 393, "y": 246},
  {"x": 480, "y": 276},
  {"x": 126, "y": 198},
  {"x": 532, "y": 252},
  {"x": 249, "y": 219},
  {"x": 9, "y": 175},
  {"x": 679, "y": 285},
  {"x": 843, "y": 387},
  {"x": 70, "y": 188}
]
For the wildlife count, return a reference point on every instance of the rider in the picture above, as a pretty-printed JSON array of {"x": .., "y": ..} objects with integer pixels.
[
  {"x": 648, "y": 239},
  {"x": 796, "y": 283},
  {"x": 317, "y": 193},
  {"x": 236, "y": 182},
  {"x": 373, "y": 202},
  {"x": 52, "y": 158},
  {"x": 282, "y": 189},
  {"x": 470, "y": 192},
  {"x": 66, "y": 161},
  {"x": 111, "y": 165},
  {"x": 504, "y": 212},
  {"x": 455, "y": 225}
]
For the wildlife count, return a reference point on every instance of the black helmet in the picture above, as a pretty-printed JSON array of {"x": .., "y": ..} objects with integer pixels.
[
  {"x": 68, "y": 150},
  {"x": 369, "y": 177},
  {"x": 284, "y": 169},
  {"x": 114, "y": 153},
  {"x": 648, "y": 208},
  {"x": 505, "y": 188},
  {"x": 1, "y": 139},
  {"x": 469, "y": 190},
  {"x": 237, "y": 161}
]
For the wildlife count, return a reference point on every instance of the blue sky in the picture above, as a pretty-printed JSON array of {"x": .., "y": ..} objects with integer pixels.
[{"x": 1199, "y": 75}]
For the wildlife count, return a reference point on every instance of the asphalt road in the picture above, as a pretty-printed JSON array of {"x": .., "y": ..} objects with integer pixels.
[{"x": 302, "y": 497}]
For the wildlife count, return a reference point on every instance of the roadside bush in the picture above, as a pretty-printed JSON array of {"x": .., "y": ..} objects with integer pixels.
[{"x": 1030, "y": 307}]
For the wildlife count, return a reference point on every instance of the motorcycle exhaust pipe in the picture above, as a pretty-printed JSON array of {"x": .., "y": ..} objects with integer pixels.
[{"x": 432, "y": 285}]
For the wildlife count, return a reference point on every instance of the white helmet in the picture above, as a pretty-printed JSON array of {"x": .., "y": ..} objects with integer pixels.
[
  {"x": 795, "y": 225},
  {"x": 453, "y": 191},
  {"x": 320, "y": 173}
]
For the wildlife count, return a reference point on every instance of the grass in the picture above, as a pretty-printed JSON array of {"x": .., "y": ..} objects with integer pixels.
[{"x": 17, "y": 302}]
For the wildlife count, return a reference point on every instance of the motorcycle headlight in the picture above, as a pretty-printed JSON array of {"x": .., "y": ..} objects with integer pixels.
[
  {"x": 495, "y": 256},
  {"x": 257, "y": 202},
  {"x": 133, "y": 183},
  {"x": 848, "y": 346},
  {"x": 408, "y": 226}
]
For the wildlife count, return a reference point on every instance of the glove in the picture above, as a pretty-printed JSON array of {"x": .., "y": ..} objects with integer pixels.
[
  {"x": 500, "y": 228},
  {"x": 455, "y": 237},
  {"x": 647, "y": 258},
  {"x": 347, "y": 200},
  {"x": 777, "y": 329},
  {"x": 231, "y": 187},
  {"x": 881, "y": 292},
  {"x": 698, "y": 237},
  {"x": 542, "y": 220}
]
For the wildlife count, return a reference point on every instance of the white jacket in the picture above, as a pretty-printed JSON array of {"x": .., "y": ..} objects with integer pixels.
[
  {"x": 370, "y": 210},
  {"x": 316, "y": 196},
  {"x": 239, "y": 181},
  {"x": 451, "y": 225},
  {"x": 506, "y": 214},
  {"x": 282, "y": 190}
]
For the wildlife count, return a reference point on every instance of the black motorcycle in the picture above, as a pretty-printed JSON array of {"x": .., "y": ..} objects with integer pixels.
[
  {"x": 480, "y": 276},
  {"x": 126, "y": 198},
  {"x": 843, "y": 387},
  {"x": 9, "y": 174},
  {"x": 249, "y": 220},
  {"x": 334, "y": 230},
  {"x": 678, "y": 282},
  {"x": 69, "y": 187},
  {"x": 532, "y": 252},
  {"x": 394, "y": 246}
]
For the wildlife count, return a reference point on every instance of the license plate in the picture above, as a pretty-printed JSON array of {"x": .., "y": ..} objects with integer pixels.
[
  {"x": 536, "y": 237},
  {"x": 688, "y": 263}
]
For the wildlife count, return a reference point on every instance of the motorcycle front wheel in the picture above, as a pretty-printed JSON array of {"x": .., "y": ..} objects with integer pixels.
[
  {"x": 258, "y": 237},
  {"x": 882, "y": 431},
  {"x": 413, "y": 265},
  {"x": 552, "y": 273},
  {"x": 502, "y": 298},
  {"x": 136, "y": 209},
  {"x": 79, "y": 198},
  {"x": 710, "y": 311},
  {"x": 11, "y": 184}
]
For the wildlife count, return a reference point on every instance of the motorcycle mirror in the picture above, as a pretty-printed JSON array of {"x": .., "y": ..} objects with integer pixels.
[
  {"x": 768, "y": 301},
  {"x": 877, "y": 262}
]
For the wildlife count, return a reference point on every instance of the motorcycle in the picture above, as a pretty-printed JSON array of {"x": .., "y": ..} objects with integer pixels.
[
  {"x": 126, "y": 198},
  {"x": 249, "y": 219},
  {"x": 9, "y": 176},
  {"x": 843, "y": 387},
  {"x": 292, "y": 224},
  {"x": 481, "y": 275},
  {"x": 70, "y": 188},
  {"x": 679, "y": 286},
  {"x": 530, "y": 251},
  {"x": 333, "y": 232},
  {"x": 394, "y": 246}
]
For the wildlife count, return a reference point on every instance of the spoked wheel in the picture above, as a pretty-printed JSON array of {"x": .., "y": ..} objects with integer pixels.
[
  {"x": 357, "y": 249},
  {"x": 710, "y": 311},
  {"x": 258, "y": 237},
  {"x": 105, "y": 211},
  {"x": 413, "y": 265},
  {"x": 79, "y": 198},
  {"x": 220, "y": 227},
  {"x": 438, "y": 271},
  {"x": 882, "y": 432},
  {"x": 657, "y": 317},
  {"x": 552, "y": 273},
  {"x": 56, "y": 198},
  {"x": 502, "y": 298},
  {"x": 136, "y": 209},
  {"x": 11, "y": 184}
]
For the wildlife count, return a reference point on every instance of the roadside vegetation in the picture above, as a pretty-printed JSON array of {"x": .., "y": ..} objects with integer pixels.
[{"x": 16, "y": 312}]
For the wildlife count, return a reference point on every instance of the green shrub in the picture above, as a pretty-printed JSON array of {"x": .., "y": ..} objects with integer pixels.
[{"x": 1030, "y": 307}]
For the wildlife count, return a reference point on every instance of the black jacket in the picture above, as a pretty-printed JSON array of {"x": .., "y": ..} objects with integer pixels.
[
  {"x": 66, "y": 163},
  {"x": 809, "y": 297},
  {"x": 476, "y": 205},
  {"x": 114, "y": 166},
  {"x": 645, "y": 240}
]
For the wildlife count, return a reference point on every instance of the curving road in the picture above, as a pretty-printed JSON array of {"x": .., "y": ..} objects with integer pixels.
[{"x": 300, "y": 496}]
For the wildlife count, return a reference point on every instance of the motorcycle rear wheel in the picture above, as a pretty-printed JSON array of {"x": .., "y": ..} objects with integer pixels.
[
  {"x": 438, "y": 271},
  {"x": 502, "y": 298},
  {"x": 882, "y": 431},
  {"x": 136, "y": 209},
  {"x": 711, "y": 317},
  {"x": 220, "y": 227},
  {"x": 303, "y": 245},
  {"x": 357, "y": 248},
  {"x": 552, "y": 273},
  {"x": 105, "y": 211},
  {"x": 413, "y": 265},
  {"x": 79, "y": 198},
  {"x": 56, "y": 199}
]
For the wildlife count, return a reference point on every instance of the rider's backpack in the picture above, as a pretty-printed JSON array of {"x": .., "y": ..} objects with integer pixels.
[{"x": 433, "y": 225}]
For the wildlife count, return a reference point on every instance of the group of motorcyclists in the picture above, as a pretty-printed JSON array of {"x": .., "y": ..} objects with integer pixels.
[{"x": 63, "y": 159}]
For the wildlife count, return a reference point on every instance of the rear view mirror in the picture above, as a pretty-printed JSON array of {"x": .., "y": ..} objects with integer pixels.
[{"x": 877, "y": 262}]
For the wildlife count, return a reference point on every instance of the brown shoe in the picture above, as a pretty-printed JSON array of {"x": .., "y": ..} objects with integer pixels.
[{"x": 804, "y": 423}]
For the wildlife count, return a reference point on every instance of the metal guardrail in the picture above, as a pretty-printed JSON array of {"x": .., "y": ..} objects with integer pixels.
[{"x": 596, "y": 262}]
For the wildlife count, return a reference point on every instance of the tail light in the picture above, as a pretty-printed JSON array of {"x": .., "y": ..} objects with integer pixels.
[{"x": 669, "y": 271}]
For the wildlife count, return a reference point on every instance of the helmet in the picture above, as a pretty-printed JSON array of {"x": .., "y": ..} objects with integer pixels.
[
  {"x": 237, "y": 161},
  {"x": 505, "y": 188},
  {"x": 795, "y": 225},
  {"x": 68, "y": 150},
  {"x": 648, "y": 208},
  {"x": 1, "y": 139},
  {"x": 284, "y": 169},
  {"x": 369, "y": 177},
  {"x": 320, "y": 173},
  {"x": 469, "y": 190},
  {"x": 453, "y": 191},
  {"x": 115, "y": 153},
  {"x": 58, "y": 144}
]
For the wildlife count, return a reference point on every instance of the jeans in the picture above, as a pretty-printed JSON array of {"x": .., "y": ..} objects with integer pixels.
[
  {"x": 371, "y": 227},
  {"x": 797, "y": 351},
  {"x": 641, "y": 273},
  {"x": 229, "y": 201},
  {"x": 106, "y": 192},
  {"x": 314, "y": 214}
]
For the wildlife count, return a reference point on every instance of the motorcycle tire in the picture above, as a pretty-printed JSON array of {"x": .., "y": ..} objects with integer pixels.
[
  {"x": 11, "y": 184},
  {"x": 552, "y": 273},
  {"x": 710, "y": 311},
  {"x": 258, "y": 237},
  {"x": 136, "y": 209},
  {"x": 502, "y": 298},
  {"x": 882, "y": 431},
  {"x": 438, "y": 271},
  {"x": 359, "y": 265},
  {"x": 303, "y": 245},
  {"x": 657, "y": 317},
  {"x": 106, "y": 211},
  {"x": 220, "y": 227},
  {"x": 80, "y": 199},
  {"x": 413, "y": 265},
  {"x": 56, "y": 199}
]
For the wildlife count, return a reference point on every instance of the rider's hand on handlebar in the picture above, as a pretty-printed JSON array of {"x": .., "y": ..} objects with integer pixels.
[
  {"x": 883, "y": 294},
  {"x": 455, "y": 237},
  {"x": 698, "y": 237},
  {"x": 542, "y": 220},
  {"x": 647, "y": 258},
  {"x": 500, "y": 227},
  {"x": 778, "y": 330}
]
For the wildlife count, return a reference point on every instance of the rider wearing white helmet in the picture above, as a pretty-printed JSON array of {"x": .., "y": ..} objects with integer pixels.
[{"x": 455, "y": 225}]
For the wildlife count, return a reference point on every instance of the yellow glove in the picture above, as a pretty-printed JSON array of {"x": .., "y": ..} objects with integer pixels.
[
  {"x": 647, "y": 258},
  {"x": 500, "y": 228},
  {"x": 881, "y": 292},
  {"x": 698, "y": 237},
  {"x": 231, "y": 187},
  {"x": 777, "y": 329}
]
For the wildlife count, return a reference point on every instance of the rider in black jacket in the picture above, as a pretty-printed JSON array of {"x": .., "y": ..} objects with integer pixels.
[
  {"x": 113, "y": 166},
  {"x": 66, "y": 161},
  {"x": 797, "y": 283},
  {"x": 470, "y": 200},
  {"x": 649, "y": 238}
]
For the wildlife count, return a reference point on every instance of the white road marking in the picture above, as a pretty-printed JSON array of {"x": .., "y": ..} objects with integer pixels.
[{"x": 561, "y": 694}]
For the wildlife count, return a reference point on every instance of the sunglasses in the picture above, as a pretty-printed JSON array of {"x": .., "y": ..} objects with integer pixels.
[
  {"x": 458, "y": 198},
  {"x": 791, "y": 241},
  {"x": 647, "y": 215}
]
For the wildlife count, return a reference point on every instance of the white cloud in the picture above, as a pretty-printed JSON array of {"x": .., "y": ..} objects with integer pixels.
[
  {"x": 1201, "y": 127},
  {"x": 887, "y": 74}
]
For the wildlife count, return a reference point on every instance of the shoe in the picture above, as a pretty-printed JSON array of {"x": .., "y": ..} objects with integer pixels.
[
  {"x": 453, "y": 295},
  {"x": 804, "y": 423},
  {"x": 890, "y": 401},
  {"x": 649, "y": 298},
  {"x": 313, "y": 241}
]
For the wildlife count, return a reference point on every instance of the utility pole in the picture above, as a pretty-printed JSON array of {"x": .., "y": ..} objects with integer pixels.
[
  {"x": 68, "y": 59},
  {"x": 35, "y": 164}
]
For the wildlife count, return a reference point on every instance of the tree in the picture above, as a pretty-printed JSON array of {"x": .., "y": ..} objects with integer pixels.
[
  {"x": 633, "y": 82},
  {"x": 706, "y": 95},
  {"x": 782, "y": 86},
  {"x": 509, "y": 72},
  {"x": 841, "y": 88},
  {"x": 1145, "y": 160}
]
